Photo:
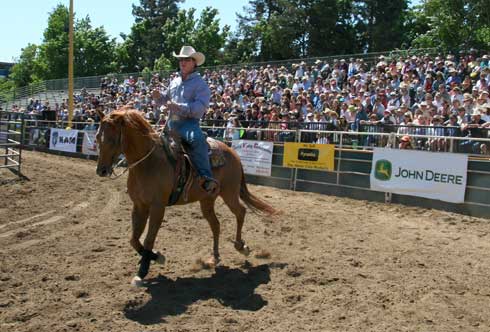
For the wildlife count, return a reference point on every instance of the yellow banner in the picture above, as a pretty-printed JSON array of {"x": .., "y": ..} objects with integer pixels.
[{"x": 309, "y": 156}]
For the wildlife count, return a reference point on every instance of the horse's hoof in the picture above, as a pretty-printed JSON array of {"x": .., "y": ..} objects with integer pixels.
[
  {"x": 211, "y": 262},
  {"x": 160, "y": 258},
  {"x": 137, "y": 282},
  {"x": 245, "y": 250},
  {"x": 242, "y": 248}
]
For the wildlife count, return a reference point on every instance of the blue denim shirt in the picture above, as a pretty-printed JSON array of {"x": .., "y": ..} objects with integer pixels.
[{"x": 192, "y": 95}]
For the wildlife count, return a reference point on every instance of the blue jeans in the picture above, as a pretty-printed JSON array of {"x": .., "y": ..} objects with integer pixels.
[{"x": 190, "y": 133}]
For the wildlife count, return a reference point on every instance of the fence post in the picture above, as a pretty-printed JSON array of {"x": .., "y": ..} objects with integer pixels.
[
  {"x": 294, "y": 174},
  {"x": 340, "y": 157}
]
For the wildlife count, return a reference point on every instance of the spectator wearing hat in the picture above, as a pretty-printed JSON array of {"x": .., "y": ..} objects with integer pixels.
[
  {"x": 473, "y": 129},
  {"x": 371, "y": 126},
  {"x": 453, "y": 77},
  {"x": 405, "y": 143},
  {"x": 452, "y": 128},
  {"x": 436, "y": 129},
  {"x": 438, "y": 81},
  {"x": 485, "y": 110},
  {"x": 468, "y": 103}
]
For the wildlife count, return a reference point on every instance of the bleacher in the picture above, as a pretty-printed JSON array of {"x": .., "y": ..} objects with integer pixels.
[{"x": 53, "y": 97}]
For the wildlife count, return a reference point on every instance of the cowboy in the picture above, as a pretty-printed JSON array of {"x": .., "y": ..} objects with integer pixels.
[{"x": 187, "y": 99}]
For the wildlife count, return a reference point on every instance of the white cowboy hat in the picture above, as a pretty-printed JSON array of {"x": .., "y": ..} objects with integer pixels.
[{"x": 190, "y": 52}]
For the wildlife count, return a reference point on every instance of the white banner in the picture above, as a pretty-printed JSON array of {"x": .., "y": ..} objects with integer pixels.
[
  {"x": 63, "y": 140},
  {"x": 426, "y": 174},
  {"x": 256, "y": 156},
  {"x": 89, "y": 145}
]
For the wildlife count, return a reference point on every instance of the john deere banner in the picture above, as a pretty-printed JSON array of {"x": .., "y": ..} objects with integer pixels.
[
  {"x": 256, "y": 156},
  {"x": 309, "y": 156},
  {"x": 63, "y": 140},
  {"x": 426, "y": 174},
  {"x": 89, "y": 145}
]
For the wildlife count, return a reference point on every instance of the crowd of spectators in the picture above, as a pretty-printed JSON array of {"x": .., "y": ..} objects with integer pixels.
[{"x": 414, "y": 95}]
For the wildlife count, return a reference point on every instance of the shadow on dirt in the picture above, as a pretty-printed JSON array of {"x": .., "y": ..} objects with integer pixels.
[{"x": 233, "y": 288}]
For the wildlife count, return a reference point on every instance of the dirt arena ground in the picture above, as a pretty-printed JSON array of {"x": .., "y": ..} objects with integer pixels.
[{"x": 329, "y": 264}]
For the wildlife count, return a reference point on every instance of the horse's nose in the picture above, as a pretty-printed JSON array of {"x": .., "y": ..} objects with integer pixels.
[{"x": 102, "y": 171}]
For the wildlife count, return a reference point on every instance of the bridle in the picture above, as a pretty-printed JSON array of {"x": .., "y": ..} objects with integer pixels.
[{"x": 113, "y": 175}]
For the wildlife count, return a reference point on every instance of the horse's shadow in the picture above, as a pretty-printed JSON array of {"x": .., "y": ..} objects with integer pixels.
[{"x": 233, "y": 288}]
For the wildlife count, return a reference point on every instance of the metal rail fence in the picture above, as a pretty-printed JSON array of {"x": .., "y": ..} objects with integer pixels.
[
  {"x": 11, "y": 134},
  {"x": 351, "y": 174}
]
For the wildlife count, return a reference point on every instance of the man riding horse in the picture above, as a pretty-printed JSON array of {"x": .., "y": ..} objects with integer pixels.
[{"x": 187, "y": 99}]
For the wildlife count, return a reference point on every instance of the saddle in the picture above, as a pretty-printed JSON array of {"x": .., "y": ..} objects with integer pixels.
[{"x": 184, "y": 170}]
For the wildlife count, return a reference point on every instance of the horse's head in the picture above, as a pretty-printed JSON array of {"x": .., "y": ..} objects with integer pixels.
[{"x": 109, "y": 142}]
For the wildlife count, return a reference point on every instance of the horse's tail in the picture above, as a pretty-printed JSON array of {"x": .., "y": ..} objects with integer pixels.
[{"x": 252, "y": 201}]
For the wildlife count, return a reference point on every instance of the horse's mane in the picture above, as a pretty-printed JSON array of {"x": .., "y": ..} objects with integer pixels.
[{"x": 134, "y": 119}]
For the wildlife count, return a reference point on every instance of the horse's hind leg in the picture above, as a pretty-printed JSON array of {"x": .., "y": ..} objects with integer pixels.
[
  {"x": 207, "y": 208},
  {"x": 233, "y": 203}
]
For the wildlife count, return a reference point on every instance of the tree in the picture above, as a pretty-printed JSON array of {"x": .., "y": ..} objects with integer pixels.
[
  {"x": 269, "y": 30},
  {"x": 145, "y": 43},
  {"x": 454, "y": 24},
  {"x": 25, "y": 70},
  {"x": 381, "y": 23},
  {"x": 94, "y": 51},
  {"x": 204, "y": 34},
  {"x": 53, "y": 54}
]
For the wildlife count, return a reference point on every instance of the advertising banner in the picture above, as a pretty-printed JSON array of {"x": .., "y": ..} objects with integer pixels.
[
  {"x": 89, "y": 146},
  {"x": 63, "y": 140},
  {"x": 309, "y": 156},
  {"x": 256, "y": 156},
  {"x": 439, "y": 176},
  {"x": 38, "y": 137}
]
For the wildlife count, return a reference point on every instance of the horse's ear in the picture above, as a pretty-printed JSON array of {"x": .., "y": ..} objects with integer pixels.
[{"x": 100, "y": 112}]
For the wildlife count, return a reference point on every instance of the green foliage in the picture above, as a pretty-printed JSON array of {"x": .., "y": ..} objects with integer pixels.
[
  {"x": 53, "y": 52},
  {"x": 381, "y": 23},
  {"x": 204, "y": 34},
  {"x": 267, "y": 30},
  {"x": 26, "y": 69},
  {"x": 146, "y": 42},
  {"x": 7, "y": 86},
  {"x": 454, "y": 24},
  {"x": 163, "y": 64},
  {"x": 94, "y": 52}
]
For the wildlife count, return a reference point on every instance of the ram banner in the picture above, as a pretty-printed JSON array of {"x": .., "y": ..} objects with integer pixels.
[{"x": 63, "y": 140}]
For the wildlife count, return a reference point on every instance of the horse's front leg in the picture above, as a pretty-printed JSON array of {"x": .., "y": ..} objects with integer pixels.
[
  {"x": 139, "y": 217},
  {"x": 147, "y": 255}
]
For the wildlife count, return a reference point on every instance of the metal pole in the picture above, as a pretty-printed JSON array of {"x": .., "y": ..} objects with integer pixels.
[
  {"x": 70, "y": 67},
  {"x": 340, "y": 157}
]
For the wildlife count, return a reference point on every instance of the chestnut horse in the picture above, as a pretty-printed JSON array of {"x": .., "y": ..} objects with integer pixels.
[{"x": 152, "y": 178}]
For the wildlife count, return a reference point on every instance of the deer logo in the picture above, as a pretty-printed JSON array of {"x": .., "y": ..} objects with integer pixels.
[{"x": 382, "y": 170}]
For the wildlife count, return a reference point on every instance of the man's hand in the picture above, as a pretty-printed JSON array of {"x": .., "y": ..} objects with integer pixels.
[{"x": 173, "y": 107}]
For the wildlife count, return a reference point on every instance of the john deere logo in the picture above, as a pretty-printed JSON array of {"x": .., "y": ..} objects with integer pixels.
[{"x": 382, "y": 171}]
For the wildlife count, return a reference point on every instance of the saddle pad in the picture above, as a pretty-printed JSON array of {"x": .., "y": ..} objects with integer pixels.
[{"x": 216, "y": 155}]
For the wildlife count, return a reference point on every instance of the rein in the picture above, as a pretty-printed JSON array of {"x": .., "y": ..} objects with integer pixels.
[
  {"x": 131, "y": 165},
  {"x": 136, "y": 163}
]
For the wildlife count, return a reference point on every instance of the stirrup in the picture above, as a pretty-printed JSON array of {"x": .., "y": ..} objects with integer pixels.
[{"x": 210, "y": 185}]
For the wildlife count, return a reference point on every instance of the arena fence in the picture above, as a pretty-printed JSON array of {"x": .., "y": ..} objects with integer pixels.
[
  {"x": 11, "y": 134},
  {"x": 349, "y": 178}
]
